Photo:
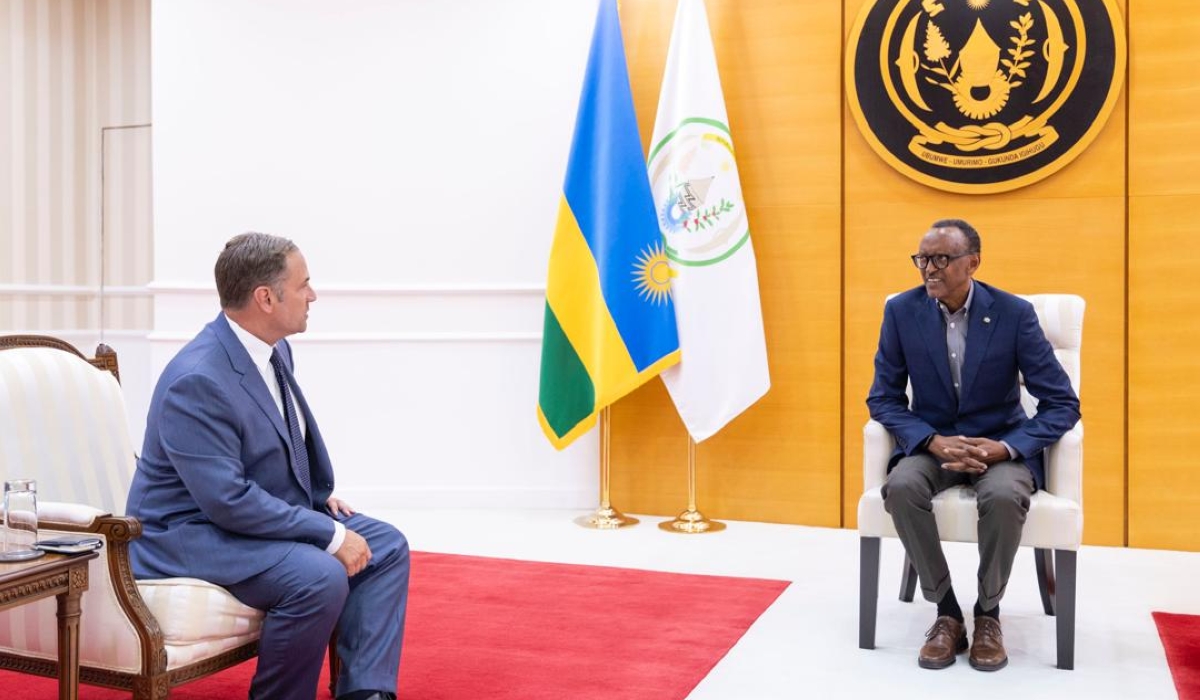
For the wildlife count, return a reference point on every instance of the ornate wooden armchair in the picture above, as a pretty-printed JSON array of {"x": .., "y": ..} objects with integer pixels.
[{"x": 62, "y": 422}]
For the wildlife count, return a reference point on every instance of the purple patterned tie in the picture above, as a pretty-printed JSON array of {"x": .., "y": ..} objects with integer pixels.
[{"x": 299, "y": 451}]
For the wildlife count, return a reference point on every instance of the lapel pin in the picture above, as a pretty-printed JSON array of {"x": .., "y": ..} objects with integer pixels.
[{"x": 987, "y": 319}]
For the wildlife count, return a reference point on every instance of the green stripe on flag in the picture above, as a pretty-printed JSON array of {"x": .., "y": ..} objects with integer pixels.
[{"x": 567, "y": 395}]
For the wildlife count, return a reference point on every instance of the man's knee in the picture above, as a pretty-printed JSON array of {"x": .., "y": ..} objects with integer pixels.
[
  {"x": 1009, "y": 496},
  {"x": 1011, "y": 504},
  {"x": 331, "y": 582},
  {"x": 396, "y": 540},
  {"x": 398, "y": 548},
  {"x": 389, "y": 547},
  {"x": 907, "y": 487},
  {"x": 384, "y": 539},
  {"x": 314, "y": 588}
]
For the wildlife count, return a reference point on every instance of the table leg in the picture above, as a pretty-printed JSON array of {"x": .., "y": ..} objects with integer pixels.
[{"x": 68, "y": 643}]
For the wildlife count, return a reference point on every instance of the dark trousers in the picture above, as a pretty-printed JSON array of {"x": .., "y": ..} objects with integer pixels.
[
  {"x": 308, "y": 593},
  {"x": 1002, "y": 492}
]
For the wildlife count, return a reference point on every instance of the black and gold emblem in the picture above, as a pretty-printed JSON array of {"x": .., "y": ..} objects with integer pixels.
[{"x": 983, "y": 96}]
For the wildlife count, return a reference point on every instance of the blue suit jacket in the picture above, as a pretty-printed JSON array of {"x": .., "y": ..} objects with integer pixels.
[
  {"x": 216, "y": 486},
  {"x": 1003, "y": 338}
]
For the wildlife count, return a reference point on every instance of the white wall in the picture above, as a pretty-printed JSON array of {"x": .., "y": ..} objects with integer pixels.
[{"x": 415, "y": 150}]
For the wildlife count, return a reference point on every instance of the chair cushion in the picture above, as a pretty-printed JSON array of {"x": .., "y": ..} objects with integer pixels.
[
  {"x": 1053, "y": 522},
  {"x": 198, "y": 619}
]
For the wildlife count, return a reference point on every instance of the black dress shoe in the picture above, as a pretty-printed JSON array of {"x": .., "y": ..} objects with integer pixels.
[{"x": 368, "y": 695}]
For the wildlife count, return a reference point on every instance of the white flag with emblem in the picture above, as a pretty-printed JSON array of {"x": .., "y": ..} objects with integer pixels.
[{"x": 723, "y": 367}]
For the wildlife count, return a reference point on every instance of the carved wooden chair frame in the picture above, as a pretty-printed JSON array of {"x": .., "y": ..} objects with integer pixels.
[{"x": 153, "y": 681}]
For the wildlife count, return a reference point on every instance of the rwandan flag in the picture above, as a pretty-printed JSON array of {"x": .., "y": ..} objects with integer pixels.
[{"x": 610, "y": 320}]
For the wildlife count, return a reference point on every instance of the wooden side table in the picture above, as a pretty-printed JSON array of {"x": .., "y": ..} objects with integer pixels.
[{"x": 61, "y": 575}]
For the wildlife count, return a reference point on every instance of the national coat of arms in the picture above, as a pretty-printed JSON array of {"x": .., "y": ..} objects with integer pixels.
[{"x": 982, "y": 96}]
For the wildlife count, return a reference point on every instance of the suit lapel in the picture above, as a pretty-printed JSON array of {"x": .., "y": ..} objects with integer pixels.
[
  {"x": 251, "y": 381},
  {"x": 933, "y": 332},
  {"x": 980, "y": 326}
]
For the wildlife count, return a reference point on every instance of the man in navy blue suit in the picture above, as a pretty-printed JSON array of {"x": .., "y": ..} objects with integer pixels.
[
  {"x": 961, "y": 344},
  {"x": 235, "y": 486}
]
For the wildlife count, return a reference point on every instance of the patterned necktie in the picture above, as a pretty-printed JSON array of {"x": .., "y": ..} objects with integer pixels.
[{"x": 299, "y": 450}]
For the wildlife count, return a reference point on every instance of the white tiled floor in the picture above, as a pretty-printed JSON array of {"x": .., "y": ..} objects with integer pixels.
[{"x": 806, "y": 644}]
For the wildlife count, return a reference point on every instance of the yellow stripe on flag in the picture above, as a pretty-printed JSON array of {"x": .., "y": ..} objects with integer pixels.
[
  {"x": 561, "y": 442},
  {"x": 573, "y": 291}
]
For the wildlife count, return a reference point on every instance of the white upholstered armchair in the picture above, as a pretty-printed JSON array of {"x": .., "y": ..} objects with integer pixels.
[
  {"x": 1054, "y": 527},
  {"x": 62, "y": 422}
]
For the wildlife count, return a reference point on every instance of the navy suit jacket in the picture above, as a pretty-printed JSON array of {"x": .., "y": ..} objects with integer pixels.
[
  {"x": 216, "y": 486},
  {"x": 1003, "y": 338}
]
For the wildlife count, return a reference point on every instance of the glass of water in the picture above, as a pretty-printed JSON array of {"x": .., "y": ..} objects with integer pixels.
[{"x": 20, "y": 520}]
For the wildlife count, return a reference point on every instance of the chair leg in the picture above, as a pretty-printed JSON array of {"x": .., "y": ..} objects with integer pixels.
[
  {"x": 1065, "y": 622},
  {"x": 1043, "y": 559},
  {"x": 908, "y": 580},
  {"x": 868, "y": 590},
  {"x": 155, "y": 687}
]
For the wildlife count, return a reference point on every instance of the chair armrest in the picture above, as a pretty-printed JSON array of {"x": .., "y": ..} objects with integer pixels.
[
  {"x": 1064, "y": 465},
  {"x": 118, "y": 532},
  {"x": 68, "y": 513},
  {"x": 878, "y": 445}
]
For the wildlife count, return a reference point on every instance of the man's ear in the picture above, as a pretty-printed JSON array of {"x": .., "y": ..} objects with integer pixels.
[
  {"x": 263, "y": 298},
  {"x": 974, "y": 262}
]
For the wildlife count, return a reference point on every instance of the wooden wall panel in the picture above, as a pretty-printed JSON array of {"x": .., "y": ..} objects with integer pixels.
[
  {"x": 1063, "y": 234},
  {"x": 780, "y": 461},
  {"x": 1164, "y": 263},
  {"x": 1164, "y": 372}
]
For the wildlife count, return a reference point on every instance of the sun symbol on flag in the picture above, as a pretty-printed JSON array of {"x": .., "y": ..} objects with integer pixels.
[{"x": 652, "y": 274}]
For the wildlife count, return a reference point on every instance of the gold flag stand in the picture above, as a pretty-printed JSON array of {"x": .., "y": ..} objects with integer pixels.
[
  {"x": 691, "y": 521},
  {"x": 605, "y": 517}
]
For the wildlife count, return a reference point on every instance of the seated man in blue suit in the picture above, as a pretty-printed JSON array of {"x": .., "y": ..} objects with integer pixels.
[
  {"x": 962, "y": 343},
  {"x": 235, "y": 486}
]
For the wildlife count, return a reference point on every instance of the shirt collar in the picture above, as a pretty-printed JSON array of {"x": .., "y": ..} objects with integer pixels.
[
  {"x": 966, "y": 305},
  {"x": 260, "y": 352}
]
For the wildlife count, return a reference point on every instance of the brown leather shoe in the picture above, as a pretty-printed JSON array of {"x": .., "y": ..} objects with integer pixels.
[
  {"x": 943, "y": 642},
  {"x": 987, "y": 645}
]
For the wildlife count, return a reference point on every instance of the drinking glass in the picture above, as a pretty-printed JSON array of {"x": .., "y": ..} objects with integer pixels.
[{"x": 20, "y": 520}]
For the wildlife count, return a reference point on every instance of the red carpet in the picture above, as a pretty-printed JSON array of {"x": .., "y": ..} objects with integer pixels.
[
  {"x": 505, "y": 629},
  {"x": 1180, "y": 635}
]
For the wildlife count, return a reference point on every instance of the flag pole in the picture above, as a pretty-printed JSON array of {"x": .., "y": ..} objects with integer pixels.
[
  {"x": 691, "y": 521},
  {"x": 605, "y": 517}
]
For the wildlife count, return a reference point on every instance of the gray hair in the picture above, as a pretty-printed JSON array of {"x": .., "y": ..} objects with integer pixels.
[{"x": 251, "y": 260}]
